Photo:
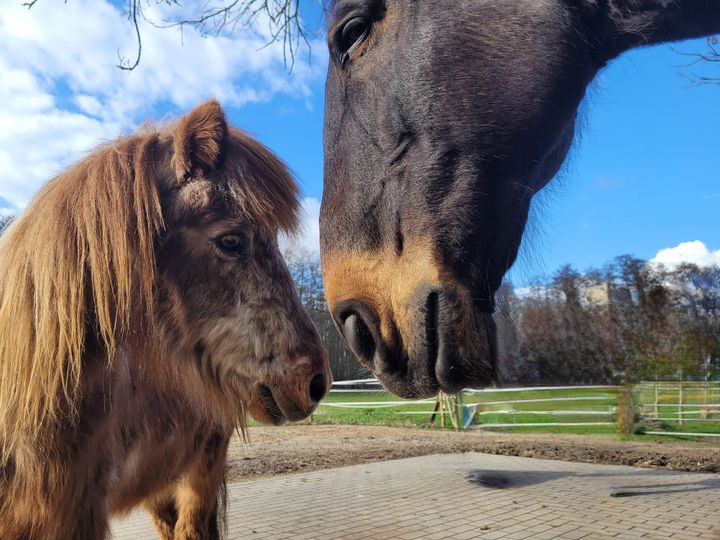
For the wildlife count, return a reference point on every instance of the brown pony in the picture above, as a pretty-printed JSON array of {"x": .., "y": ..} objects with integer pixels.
[{"x": 144, "y": 307}]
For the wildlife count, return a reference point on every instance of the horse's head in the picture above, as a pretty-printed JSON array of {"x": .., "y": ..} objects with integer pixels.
[
  {"x": 443, "y": 119},
  {"x": 227, "y": 301}
]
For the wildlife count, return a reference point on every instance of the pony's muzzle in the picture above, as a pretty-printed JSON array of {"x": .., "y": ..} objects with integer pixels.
[
  {"x": 292, "y": 397},
  {"x": 301, "y": 404}
]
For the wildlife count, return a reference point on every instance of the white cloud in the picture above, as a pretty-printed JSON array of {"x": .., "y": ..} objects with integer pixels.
[
  {"x": 695, "y": 252},
  {"x": 61, "y": 93},
  {"x": 307, "y": 242}
]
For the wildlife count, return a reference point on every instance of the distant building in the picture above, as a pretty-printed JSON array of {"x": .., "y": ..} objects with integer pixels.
[{"x": 597, "y": 295}]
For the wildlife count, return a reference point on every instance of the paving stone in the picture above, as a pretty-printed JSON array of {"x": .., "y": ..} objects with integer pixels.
[{"x": 432, "y": 498}]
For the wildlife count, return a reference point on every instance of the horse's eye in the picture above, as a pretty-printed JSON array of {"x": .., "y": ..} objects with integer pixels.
[
  {"x": 351, "y": 36},
  {"x": 233, "y": 245}
]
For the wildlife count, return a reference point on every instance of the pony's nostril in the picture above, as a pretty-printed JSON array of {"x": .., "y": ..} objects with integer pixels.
[
  {"x": 359, "y": 337},
  {"x": 317, "y": 388}
]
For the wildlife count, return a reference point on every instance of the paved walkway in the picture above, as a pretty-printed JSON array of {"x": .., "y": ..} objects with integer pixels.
[{"x": 469, "y": 496}]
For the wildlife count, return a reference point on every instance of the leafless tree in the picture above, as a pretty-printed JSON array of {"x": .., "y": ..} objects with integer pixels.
[
  {"x": 711, "y": 56},
  {"x": 282, "y": 18},
  {"x": 4, "y": 222},
  {"x": 649, "y": 322},
  {"x": 305, "y": 270}
]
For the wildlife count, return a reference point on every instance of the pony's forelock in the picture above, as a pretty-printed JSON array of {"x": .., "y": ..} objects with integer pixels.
[{"x": 260, "y": 185}]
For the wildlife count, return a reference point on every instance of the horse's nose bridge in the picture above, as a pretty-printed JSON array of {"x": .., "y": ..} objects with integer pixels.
[{"x": 382, "y": 286}]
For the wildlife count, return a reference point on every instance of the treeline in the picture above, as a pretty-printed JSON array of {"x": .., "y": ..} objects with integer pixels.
[{"x": 628, "y": 321}]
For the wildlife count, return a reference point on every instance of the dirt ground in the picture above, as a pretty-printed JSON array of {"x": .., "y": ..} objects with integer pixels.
[{"x": 296, "y": 448}]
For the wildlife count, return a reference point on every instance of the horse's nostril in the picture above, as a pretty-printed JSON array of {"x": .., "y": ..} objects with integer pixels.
[
  {"x": 318, "y": 386},
  {"x": 359, "y": 337},
  {"x": 432, "y": 327}
]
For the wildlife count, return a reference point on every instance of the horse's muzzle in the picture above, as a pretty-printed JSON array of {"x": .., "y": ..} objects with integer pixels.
[{"x": 446, "y": 343}]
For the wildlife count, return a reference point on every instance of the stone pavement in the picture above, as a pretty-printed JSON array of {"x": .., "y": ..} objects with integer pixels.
[{"x": 467, "y": 496}]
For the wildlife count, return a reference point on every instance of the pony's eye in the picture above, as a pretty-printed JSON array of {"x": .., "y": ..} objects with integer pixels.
[
  {"x": 233, "y": 245},
  {"x": 351, "y": 36}
]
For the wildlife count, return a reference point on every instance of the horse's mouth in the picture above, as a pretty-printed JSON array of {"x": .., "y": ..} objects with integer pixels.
[{"x": 270, "y": 406}]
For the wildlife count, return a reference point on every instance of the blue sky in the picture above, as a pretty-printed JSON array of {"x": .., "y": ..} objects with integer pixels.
[
  {"x": 645, "y": 175},
  {"x": 646, "y": 172}
]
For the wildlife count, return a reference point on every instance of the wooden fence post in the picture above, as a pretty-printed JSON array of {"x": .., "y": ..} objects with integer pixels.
[
  {"x": 460, "y": 410},
  {"x": 625, "y": 415},
  {"x": 681, "y": 399},
  {"x": 441, "y": 397},
  {"x": 657, "y": 409}
]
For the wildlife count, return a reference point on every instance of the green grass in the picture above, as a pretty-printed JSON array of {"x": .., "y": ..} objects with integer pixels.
[{"x": 371, "y": 414}]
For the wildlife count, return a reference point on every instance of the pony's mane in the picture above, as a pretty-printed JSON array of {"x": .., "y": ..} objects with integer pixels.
[
  {"x": 258, "y": 185},
  {"x": 77, "y": 268}
]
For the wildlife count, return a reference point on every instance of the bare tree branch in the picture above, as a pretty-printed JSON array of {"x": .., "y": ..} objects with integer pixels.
[
  {"x": 133, "y": 7},
  {"x": 712, "y": 56},
  {"x": 283, "y": 16},
  {"x": 224, "y": 16}
]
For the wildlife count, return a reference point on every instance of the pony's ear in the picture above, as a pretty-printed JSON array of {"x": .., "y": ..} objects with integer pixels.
[{"x": 198, "y": 140}]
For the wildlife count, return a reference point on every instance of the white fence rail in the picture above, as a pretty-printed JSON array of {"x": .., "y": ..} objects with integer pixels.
[
  {"x": 473, "y": 406},
  {"x": 685, "y": 403},
  {"x": 690, "y": 402}
]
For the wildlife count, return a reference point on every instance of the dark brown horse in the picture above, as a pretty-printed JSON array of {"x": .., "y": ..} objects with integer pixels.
[
  {"x": 442, "y": 120},
  {"x": 144, "y": 309}
]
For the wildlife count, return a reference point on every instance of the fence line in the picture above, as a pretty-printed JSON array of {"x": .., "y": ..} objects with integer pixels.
[
  {"x": 669, "y": 402},
  {"x": 711, "y": 405},
  {"x": 359, "y": 390},
  {"x": 540, "y": 388},
  {"x": 590, "y": 401},
  {"x": 684, "y": 419},
  {"x": 376, "y": 382},
  {"x": 558, "y": 413},
  {"x": 376, "y": 403},
  {"x": 681, "y": 434},
  {"x": 543, "y": 400},
  {"x": 462, "y": 415},
  {"x": 357, "y": 382},
  {"x": 599, "y": 401},
  {"x": 675, "y": 383},
  {"x": 516, "y": 412},
  {"x": 543, "y": 424}
]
